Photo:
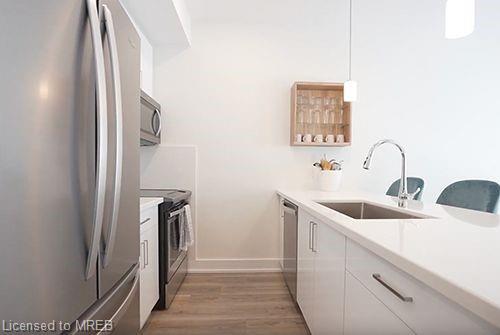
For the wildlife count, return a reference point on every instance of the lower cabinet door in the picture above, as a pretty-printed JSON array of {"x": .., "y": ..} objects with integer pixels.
[
  {"x": 305, "y": 268},
  {"x": 149, "y": 281},
  {"x": 329, "y": 275},
  {"x": 366, "y": 315}
]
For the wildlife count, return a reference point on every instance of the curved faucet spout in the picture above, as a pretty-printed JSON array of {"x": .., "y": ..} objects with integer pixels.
[{"x": 403, "y": 189}]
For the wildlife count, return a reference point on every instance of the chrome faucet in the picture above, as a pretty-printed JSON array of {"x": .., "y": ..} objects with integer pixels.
[{"x": 403, "y": 194}]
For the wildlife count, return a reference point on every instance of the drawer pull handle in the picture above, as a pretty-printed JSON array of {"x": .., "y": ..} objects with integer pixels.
[
  {"x": 315, "y": 237},
  {"x": 378, "y": 278},
  {"x": 143, "y": 222}
]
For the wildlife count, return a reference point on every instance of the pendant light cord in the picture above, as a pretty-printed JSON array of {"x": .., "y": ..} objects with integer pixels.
[{"x": 350, "y": 37}]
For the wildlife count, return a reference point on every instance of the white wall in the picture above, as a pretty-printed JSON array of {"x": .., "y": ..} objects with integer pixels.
[
  {"x": 437, "y": 97},
  {"x": 228, "y": 95}
]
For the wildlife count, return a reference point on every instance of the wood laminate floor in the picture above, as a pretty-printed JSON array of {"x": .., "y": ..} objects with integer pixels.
[{"x": 230, "y": 304}]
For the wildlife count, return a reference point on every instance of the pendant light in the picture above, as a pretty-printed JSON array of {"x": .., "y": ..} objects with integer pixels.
[
  {"x": 460, "y": 18},
  {"x": 350, "y": 86}
]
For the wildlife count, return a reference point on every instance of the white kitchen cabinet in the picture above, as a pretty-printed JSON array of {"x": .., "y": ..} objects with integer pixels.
[
  {"x": 149, "y": 280},
  {"x": 428, "y": 312},
  {"x": 305, "y": 268},
  {"x": 320, "y": 275},
  {"x": 365, "y": 314}
]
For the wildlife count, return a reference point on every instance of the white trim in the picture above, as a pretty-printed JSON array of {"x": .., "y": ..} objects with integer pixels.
[{"x": 206, "y": 265}]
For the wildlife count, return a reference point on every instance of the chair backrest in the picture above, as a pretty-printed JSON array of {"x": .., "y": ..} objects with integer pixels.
[
  {"x": 413, "y": 184},
  {"x": 480, "y": 195}
]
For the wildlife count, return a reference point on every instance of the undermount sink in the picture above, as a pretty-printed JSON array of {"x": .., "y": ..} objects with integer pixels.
[{"x": 367, "y": 211}]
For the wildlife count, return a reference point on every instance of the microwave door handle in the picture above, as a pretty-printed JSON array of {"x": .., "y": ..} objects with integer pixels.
[
  {"x": 102, "y": 138},
  {"x": 107, "y": 17},
  {"x": 158, "y": 115}
]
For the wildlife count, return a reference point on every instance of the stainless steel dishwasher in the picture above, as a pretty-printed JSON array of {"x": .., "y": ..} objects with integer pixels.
[{"x": 290, "y": 220}]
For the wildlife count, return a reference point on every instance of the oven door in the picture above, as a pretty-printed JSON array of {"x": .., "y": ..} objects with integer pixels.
[
  {"x": 150, "y": 120},
  {"x": 175, "y": 254}
]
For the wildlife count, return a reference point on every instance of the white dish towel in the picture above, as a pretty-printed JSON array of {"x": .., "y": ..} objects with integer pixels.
[{"x": 186, "y": 229}]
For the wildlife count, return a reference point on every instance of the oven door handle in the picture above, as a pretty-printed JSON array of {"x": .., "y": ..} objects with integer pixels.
[{"x": 177, "y": 212}]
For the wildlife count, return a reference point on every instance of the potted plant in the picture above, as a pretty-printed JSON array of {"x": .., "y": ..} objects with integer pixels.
[{"x": 330, "y": 174}]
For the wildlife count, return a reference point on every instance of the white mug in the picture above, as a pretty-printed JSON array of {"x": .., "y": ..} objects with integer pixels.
[
  {"x": 330, "y": 138},
  {"x": 307, "y": 138},
  {"x": 340, "y": 138},
  {"x": 318, "y": 138},
  {"x": 298, "y": 138}
]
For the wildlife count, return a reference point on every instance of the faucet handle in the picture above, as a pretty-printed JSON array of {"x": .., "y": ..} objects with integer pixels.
[{"x": 412, "y": 195}]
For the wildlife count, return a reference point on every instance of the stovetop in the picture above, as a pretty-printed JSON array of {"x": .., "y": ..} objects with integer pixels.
[{"x": 169, "y": 195}]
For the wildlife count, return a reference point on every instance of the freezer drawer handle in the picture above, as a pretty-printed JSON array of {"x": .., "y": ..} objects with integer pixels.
[
  {"x": 120, "y": 311},
  {"x": 102, "y": 138},
  {"x": 105, "y": 15},
  {"x": 125, "y": 304},
  {"x": 378, "y": 278}
]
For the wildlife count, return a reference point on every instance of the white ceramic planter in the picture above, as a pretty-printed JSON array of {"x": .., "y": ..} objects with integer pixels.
[{"x": 329, "y": 180}]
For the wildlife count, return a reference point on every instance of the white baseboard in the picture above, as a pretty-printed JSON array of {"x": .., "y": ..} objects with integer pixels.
[{"x": 234, "y": 265}]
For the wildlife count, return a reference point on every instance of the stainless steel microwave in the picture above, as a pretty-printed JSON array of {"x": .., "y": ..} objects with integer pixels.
[{"x": 150, "y": 120}]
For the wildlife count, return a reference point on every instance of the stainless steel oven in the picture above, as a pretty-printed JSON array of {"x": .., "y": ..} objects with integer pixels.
[
  {"x": 175, "y": 254},
  {"x": 172, "y": 260},
  {"x": 150, "y": 120}
]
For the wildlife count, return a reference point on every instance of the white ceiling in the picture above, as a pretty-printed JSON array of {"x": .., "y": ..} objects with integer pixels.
[
  {"x": 287, "y": 12},
  {"x": 164, "y": 22}
]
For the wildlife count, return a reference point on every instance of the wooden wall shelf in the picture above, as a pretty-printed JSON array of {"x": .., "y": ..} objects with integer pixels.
[{"x": 318, "y": 110}]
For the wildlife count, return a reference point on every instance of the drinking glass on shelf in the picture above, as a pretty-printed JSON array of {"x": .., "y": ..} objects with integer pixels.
[
  {"x": 319, "y": 101},
  {"x": 326, "y": 116},
  {"x": 302, "y": 100},
  {"x": 341, "y": 115},
  {"x": 309, "y": 115},
  {"x": 332, "y": 116},
  {"x": 334, "y": 103},
  {"x": 317, "y": 116},
  {"x": 300, "y": 115},
  {"x": 312, "y": 99},
  {"x": 299, "y": 99}
]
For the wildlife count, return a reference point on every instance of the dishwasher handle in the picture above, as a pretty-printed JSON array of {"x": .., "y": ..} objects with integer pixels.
[{"x": 289, "y": 207}]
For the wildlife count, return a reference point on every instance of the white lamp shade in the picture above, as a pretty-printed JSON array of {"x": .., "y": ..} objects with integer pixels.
[
  {"x": 350, "y": 91},
  {"x": 460, "y": 18}
]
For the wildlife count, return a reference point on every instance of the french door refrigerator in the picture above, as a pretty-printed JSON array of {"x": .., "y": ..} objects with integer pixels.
[{"x": 69, "y": 167}]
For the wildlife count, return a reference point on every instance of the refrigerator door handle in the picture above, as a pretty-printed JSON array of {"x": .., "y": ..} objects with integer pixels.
[
  {"x": 106, "y": 16},
  {"x": 102, "y": 138}
]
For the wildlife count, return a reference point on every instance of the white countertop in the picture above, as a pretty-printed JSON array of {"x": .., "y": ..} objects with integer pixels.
[
  {"x": 148, "y": 202},
  {"x": 457, "y": 252}
]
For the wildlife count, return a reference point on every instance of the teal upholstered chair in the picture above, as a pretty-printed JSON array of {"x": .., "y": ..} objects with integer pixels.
[
  {"x": 479, "y": 195},
  {"x": 414, "y": 183}
]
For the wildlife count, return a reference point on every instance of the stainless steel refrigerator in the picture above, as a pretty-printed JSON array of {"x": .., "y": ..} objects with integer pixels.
[{"x": 69, "y": 165}]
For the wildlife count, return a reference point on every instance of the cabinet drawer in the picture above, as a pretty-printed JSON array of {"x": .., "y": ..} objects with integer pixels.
[
  {"x": 365, "y": 314},
  {"x": 148, "y": 218},
  {"x": 428, "y": 312}
]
